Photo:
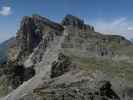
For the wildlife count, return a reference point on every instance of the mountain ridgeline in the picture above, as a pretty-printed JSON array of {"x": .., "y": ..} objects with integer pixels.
[
  {"x": 4, "y": 46},
  {"x": 66, "y": 61}
]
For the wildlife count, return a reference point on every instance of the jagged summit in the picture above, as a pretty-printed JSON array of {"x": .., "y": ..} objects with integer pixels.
[
  {"x": 37, "y": 19},
  {"x": 70, "y": 20},
  {"x": 31, "y": 32},
  {"x": 32, "y": 29}
]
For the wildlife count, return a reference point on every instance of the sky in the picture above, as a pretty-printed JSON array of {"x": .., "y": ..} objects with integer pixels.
[{"x": 107, "y": 16}]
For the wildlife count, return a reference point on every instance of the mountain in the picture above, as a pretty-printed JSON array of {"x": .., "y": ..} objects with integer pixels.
[
  {"x": 131, "y": 40},
  {"x": 66, "y": 61},
  {"x": 4, "y": 49}
]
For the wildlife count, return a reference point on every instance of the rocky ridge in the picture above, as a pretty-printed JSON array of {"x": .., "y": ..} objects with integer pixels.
[{"x": 49, "y": 61}]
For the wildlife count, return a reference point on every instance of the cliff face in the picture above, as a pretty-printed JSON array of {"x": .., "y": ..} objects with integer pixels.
[
  {"x": 31, "y": 32},
  {"x": 61, "y": 61}
]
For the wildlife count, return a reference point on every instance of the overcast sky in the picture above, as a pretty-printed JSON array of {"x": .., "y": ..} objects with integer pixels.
[{"x": 107, "y": 16}]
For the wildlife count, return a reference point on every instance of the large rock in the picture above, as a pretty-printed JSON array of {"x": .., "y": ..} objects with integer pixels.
[
  {"x": 61, "y": 66},
  {"x": 106, "y": 91}
]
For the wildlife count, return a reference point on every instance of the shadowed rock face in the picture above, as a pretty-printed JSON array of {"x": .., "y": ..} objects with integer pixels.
[
  {"x": 27, "y": 37},
  {"x": 106, "y": 91},
  {"x": 16, "y": 74},
  {"x": 70, "y": 20},
  {"x": 61, "y": 66}
]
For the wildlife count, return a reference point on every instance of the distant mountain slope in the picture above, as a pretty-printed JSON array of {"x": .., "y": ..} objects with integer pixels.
[
  {"x": 131, "y": 40},
  {"x": 4, "y": 49}
]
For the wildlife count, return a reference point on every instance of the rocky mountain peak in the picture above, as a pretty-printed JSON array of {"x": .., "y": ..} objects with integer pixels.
[
  {"x": 32, "y": 29},
  {"x": 70, "y": 20},
  {"x": 39, "y": 20},
  {"x": 27, "y": 37}
]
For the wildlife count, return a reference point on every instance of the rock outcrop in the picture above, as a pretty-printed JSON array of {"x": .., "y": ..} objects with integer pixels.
[
  {"x": 31, "y": 32},
  {"x": 74, "y": 21},
  {"x": 105, "y": 90},
  {"x": 61, "y": 66},
  {"x": 77, "y": 87},
  {"x": 27, "y": 38}
]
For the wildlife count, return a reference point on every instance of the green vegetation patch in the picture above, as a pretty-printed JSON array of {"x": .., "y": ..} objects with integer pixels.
[
  {"x": 120, "y": 69},
  {"x": 3, "y": 86}
]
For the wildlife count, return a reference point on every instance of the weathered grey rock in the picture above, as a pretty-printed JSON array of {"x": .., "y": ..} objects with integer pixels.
[
  {"x": 49, "y": 37},
  {"x": 31, "y": 33},
  {"x": 106, "y": 91},
  {"x": 27, "y": 38},
  {"x": 28, "y": 73},
  {"x": 61, "y": 66},
  {"x": 74, "y": 21},
  {"x": 42, "y": 22},
  {"x": 76, "y": 89}
]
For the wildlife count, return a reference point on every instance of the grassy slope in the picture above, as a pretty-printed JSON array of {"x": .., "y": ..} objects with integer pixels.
[
  {"x": 3, "y": 87},
  {"x": 121, "y": 69},
  {"x": 116, "y": 68}
]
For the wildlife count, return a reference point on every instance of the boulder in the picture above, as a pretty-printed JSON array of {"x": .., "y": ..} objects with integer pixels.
[
  {"x": 61, "y": 66},
  {"x": 105, "y": 90}
]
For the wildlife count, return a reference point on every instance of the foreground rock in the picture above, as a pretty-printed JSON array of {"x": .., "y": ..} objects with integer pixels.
[
  {"x": 74, "y": 88},
  {"x": 61, "y": 66}
]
